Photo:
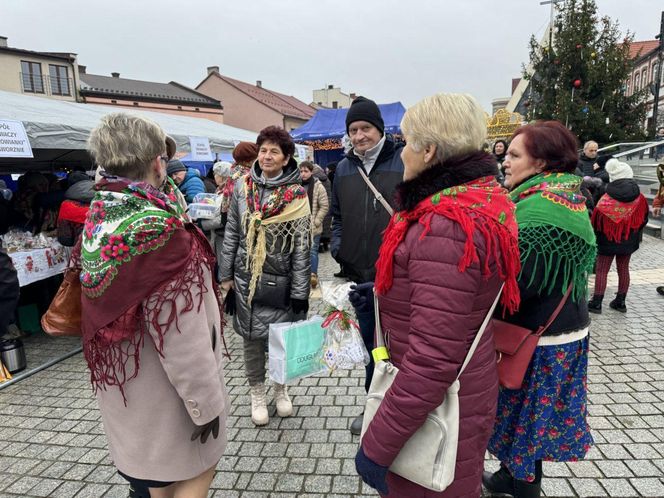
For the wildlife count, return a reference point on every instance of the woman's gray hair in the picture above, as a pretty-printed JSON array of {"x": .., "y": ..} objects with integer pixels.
[
  {"x": 222, "y": 168},
  {"x": 454, "y": 122},
  {"x": 124, "y": 144}
]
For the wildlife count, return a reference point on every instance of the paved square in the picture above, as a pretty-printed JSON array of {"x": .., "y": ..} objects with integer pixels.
[{"x": 52, "y": 442}]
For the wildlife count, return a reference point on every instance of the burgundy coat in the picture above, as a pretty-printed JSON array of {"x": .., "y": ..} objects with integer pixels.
[{"x": 431, "y": 315}]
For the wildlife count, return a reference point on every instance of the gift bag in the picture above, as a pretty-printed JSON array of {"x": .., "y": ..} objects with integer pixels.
[
  {"x": 344, "y": 347},
  {"x": 295, "y": 349}
]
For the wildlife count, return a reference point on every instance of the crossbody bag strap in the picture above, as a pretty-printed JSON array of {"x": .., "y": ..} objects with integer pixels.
[
  {"x": 380, "y": 352},
  {"x": 480, "y": 332},
  {"x": 375, "y": 191},
  {"x": 556, "y": 312}
]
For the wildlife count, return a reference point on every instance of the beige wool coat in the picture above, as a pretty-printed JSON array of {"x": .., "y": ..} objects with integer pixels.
[
  {"x": 150, "y": 437},
  {"x": 319, "y": 208}
]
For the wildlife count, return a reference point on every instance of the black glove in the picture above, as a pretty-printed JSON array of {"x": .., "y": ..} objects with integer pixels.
[
  {"x": 361, "y": 297},
  {"x": 229, "y": 302},
  {"x": 203, "y": 431},
  {"x": 299, "y": 305},
  {"x": 373, "y": 474}
]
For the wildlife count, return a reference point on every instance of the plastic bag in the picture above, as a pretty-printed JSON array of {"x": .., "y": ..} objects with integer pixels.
[{"x": 343, "y": 347}]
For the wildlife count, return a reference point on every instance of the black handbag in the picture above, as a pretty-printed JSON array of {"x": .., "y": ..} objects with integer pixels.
[{"x": 273, "y": 290}]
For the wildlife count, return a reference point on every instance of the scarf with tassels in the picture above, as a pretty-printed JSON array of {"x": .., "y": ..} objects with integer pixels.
[
  {"x": 140, "y": 258},
  {"x": 284, "y": 218},
  {"x": 617, "y": 219},
  {"x": 555, "y": 228},
  {"x": 482, "y": 206}
]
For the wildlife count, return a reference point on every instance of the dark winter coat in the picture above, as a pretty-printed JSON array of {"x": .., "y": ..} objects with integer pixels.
[
  {"x": 9, "y": 290},
  {"x": 71, "y": 216},
  {"x": 625, "y": 190},
  {"x": 586, "y": 167},
  {"x": 358, "y": 218},
  {"x": 431, "y": 315},
  {"x": 253, "y": 321}
]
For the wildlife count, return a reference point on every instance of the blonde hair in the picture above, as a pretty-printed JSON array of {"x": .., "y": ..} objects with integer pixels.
[
  {"x": 124, "y": 144},
  {"x": 454, "y": 122}
]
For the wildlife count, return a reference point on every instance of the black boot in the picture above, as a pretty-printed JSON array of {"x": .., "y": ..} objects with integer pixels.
[
  {"x": 595, "y": 304},
  {"x": 498, "y": 483},
  {"x": 525, "y": 489},
  {"x": 618, "y": 303}
]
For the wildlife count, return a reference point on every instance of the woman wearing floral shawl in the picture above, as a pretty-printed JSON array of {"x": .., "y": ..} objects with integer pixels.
[
  {"x": 152, "y": 332},
  {"x": 546, "y": 418},
  {"x": 265, "y": 258}
]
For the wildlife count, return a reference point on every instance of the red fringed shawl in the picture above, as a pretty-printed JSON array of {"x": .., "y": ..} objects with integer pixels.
[
  {"x": 481, "y": 205},
  {"x": 617, "y": 219}
]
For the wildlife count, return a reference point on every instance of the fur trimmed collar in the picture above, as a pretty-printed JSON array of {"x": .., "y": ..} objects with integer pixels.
[{"x": 455, "y": 171}]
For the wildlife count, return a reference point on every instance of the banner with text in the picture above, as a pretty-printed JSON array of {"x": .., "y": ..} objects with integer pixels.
[
  {"x": 200, "y": 149},
  {"x": 14, "y": 140}
]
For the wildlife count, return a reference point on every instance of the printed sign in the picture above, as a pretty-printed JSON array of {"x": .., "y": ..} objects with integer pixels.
[
  {"x": 14, "y": 140},
  {"x": 200, "y": 149}
]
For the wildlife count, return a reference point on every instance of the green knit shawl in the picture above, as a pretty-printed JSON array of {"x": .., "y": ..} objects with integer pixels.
[{"x": 555, "y": 229}]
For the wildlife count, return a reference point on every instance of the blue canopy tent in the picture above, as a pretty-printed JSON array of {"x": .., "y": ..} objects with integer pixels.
[{"x": 327, "y": 127}]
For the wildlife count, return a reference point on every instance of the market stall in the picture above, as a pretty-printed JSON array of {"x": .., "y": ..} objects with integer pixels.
[
  {"x": 325, "y": 130},
  {"x": 35, "y": 257}
]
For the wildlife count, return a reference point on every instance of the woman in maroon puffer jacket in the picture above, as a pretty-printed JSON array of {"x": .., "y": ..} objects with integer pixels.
[{"x": 444, "y": 257}]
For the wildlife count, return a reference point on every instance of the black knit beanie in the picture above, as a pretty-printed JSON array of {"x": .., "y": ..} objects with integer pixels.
[
  {"x": 602, "y": 160},
  {"x": 363, "y": 109}
]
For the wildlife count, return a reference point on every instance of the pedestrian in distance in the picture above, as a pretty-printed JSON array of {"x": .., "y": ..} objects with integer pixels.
[
  {"x": 152, "y": 331},
  {"x": 318, "y": 203},
  {"x": 266, "y": 261},
  {"x": 358, "y": 214},
  {"x": 546, "y": 418},
  {"x": 445, "y": 256},
  {"x": 188, "y": 180},
  {"x": 618, "y": 220}
]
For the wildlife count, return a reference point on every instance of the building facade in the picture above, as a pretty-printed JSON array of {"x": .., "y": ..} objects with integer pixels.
[
  {"x": 169, "y": 98},
  {"x": 43, "y": 74},
  {"x": 332, "y": 97},
  {"x": 253, "y": 107},
  {"x": 645, "y": 72}
]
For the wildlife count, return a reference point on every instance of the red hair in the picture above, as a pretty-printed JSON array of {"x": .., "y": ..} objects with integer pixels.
[
  {"x": 552, "y": 142},
  {"x": 277, "y": 136}
]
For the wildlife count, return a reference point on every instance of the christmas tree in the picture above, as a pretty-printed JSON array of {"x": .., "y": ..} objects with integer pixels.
[{"x": 580, "y": 79}]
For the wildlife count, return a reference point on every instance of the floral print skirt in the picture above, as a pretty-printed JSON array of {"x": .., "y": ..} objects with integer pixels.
[{"x": 546, "y": 418}]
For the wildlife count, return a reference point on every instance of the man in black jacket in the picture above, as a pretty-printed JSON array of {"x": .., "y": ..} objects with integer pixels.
[{"x": 358, "y": 217}]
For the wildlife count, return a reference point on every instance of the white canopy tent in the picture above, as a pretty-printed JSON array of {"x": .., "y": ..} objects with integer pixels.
[{"x": 58, "y": 130}]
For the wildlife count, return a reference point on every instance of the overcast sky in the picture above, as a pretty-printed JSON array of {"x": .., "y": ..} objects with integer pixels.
[{"x": 387, "y": 50}]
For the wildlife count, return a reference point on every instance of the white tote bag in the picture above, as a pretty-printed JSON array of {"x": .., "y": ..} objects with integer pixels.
[{"x": 428, "y": 458}]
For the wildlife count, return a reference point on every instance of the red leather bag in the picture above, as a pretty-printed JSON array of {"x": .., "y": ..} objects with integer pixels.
[{"x": 515, "y": 346}]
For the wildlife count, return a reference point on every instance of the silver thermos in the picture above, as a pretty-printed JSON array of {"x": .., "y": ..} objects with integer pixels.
[{"x": 13, "y": 355}]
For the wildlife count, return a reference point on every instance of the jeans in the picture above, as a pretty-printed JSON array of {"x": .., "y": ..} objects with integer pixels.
[
  {"x": 367, "y": 322},
  {"x": 314, "y": 254}
]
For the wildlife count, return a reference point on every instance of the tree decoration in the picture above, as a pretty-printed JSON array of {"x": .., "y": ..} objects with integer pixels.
[{"x": 580, "y": 78}]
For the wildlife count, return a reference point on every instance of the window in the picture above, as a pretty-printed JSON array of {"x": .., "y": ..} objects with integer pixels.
[
  {"x": 637, "y": 82},
  {"x": 31, "y": 77},
  {"x": 644, "y": 77},
  {"x": 335, "y": 104},
  {"x": 59, "y": 79}
]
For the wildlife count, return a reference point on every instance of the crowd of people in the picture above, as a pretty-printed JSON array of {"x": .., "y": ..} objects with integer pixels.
[{"x": 431, "y": 230}]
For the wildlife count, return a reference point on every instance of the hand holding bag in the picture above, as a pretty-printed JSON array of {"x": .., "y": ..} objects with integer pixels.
[
  {"x": 429, "y": 457},
  {"x": 516, "y": 345},
  {"x": 63, "y": 317}
]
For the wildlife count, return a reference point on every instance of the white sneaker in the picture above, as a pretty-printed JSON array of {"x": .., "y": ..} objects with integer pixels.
[
  {"x": 283, "y": 402},
  {"x": 259, "y": 415}
]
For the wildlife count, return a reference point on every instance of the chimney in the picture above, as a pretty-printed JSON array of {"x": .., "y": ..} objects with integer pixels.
[
  {"x": 259, "y": 83},
  {"x": 352, "y": 96},
  {"x": 82, "y": 69},
  {"x": 3, "y": 41},
  {"x": 115, "y": 75},
  {"x": 212, "y": 69},
  {"x": 330, "y": 87}
]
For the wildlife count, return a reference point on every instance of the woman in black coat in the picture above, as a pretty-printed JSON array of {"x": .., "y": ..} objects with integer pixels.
[{"x": 618, "y": 220}]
